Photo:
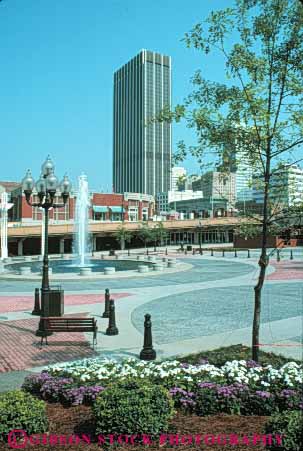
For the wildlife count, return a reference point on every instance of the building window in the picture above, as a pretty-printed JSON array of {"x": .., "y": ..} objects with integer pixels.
[
  {"x": 133, "y": 214},
  {"x": 144, "y": 214}
]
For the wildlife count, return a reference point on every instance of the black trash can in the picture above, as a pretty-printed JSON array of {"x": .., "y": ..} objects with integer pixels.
[
  {"x": 54, "y": 302},
  {"x": 189, "y": 248}
]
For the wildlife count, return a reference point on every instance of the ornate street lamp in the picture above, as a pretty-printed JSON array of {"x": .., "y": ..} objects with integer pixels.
[{"x": 46, "y": 187}]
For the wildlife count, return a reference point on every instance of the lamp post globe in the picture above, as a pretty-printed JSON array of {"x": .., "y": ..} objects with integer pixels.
[
  {"x": 46, "y": 187},
  {"x": 47, "y": 167}
]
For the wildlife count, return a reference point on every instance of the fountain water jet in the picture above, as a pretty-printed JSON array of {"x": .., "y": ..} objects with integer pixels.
[{"x": 82, "y": 242}]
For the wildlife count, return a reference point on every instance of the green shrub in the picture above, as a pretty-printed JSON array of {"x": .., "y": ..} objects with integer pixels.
[
  {"x": 20, "y": 410},
  {"x": 289, "y": 425},
  {"x": 131, "y": 407},
  {"x": 220, "y": 356}
]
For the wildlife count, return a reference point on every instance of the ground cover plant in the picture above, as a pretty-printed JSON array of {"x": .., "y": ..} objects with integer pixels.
[
  {"x": 236, "y": 387},
  {"x": 103, "y": 394}
]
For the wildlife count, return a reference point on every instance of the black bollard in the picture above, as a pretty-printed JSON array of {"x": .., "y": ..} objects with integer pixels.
[
  {"x": 223, "y": 253},
  {"x": 128, "y": 252},
  {"x": 248, "y": 253},
  {"x": 146, "y": 251},
  {"x": 211, "y": 252},
  {"x": 166, "y": 253},
  {"x": 147, "y": 353},
  {"x": 37, "y": 310},
  {"x": 291, "y": 255},
  {"x": 278, "y": 256},
  {"x": 236, "y": 255},
  {"x": 112, "y": 328},
  {"x": 185, "y": 252},
  {"x": 106, "y": 306}
]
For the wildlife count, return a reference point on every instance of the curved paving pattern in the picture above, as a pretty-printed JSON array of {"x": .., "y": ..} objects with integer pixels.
[
  {"x": 216, "y": 310},
  {"x": 204, "y": 270}
]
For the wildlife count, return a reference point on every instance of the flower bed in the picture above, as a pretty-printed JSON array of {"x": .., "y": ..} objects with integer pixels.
[{"x": 241, "y": 387}]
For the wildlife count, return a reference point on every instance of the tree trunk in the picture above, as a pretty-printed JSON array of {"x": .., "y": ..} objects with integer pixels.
[
  {"x": 122, "y": 243},
  {"x": 263, "y": 263}
]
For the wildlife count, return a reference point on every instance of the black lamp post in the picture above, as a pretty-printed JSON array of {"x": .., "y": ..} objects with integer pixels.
[
  {"x": 199, "y": 227},
  {"x": 46, "y": 188}
]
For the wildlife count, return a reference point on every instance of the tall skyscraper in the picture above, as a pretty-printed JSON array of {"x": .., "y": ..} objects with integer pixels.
[{"x": 142, "y": 150}]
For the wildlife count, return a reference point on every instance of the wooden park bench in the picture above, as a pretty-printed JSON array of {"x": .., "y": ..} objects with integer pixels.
[{"x": 63, "y": 324}]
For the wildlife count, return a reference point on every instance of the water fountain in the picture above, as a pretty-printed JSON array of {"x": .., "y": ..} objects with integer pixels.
[{"x": 82, "y": 242}]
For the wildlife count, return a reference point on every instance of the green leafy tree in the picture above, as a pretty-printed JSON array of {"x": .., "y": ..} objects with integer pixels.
[
  {"x": 123, "y": 236},
  {"x": 259, "y": 110},
  {"x": 159, "y": 234},
  {"x": 145, "y": 234},
  {"x": 181, "y": 182}
]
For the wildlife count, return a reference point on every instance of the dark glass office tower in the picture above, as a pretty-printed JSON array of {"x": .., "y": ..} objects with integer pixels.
[{"x": 142, "y": 150}]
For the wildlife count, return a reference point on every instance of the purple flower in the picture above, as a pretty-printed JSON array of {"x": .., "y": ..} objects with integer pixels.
[
  {"x": 263, "y": 394},
  {"x": 287, "y": 393},
  {"x": 252, "y": 364},
  {"x": 203, "y": 361},
  {"x": 207, "y": 385}
]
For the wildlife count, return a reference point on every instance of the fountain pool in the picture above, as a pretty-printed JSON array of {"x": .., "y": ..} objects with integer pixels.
[{"x": 70, "y": 266}]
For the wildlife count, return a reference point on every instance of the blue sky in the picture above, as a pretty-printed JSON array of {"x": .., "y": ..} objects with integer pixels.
[{"x": 57, "y": 63}]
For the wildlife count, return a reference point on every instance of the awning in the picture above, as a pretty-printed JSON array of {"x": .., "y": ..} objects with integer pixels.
[
  {"x": 100, "y": 209},
  {"x": 117, "y": 209}
]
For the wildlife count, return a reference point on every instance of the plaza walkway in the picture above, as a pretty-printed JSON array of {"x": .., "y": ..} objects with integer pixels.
[{"x": 207, "y": 306}]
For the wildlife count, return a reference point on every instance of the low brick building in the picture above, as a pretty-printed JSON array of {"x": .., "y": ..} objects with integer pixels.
[{"x": 104, "y": 207}]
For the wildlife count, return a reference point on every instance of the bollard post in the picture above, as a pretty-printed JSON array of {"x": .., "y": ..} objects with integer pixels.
[
  {"x": 185, "y": 252},
  {"x": 201, "y": 252},
  {"x": 147, "y": 353},
  {"x": 146, "y": 251},
  {"x": 112, "y": 328},
  {"x": 128, "y": 252},
  {"x": 223, "y": 253},
  {"x": 193, "y": 251},
  {"x": 236, "y": 255},
  {"x": 248, "y": 253},
  {"x": 106, "y": 305},
  {"x": 291, "y": 255},
  {"x": 211, "y": 252},
  {"x": 37, "y": 310},
  {"x": 166, "y": 253},
  {"x": 278, "y": 255}
]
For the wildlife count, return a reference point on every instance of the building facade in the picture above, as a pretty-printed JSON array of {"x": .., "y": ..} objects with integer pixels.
[
  {"x": 106, "y": 207},
  {"x": 200, "y": 208},
  {"x": 286, "y": 187},
  {"x": 217, "y": 185},
  {"x": 178, "y": 179},
  {"x": 165, "y": 201},
  {"x": 142, "y": 147}
]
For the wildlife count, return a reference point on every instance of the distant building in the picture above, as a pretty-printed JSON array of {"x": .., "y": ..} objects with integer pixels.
[
  {"x": 164, "y": 200},
  {"x": 104, "y": 207},
  {"x": 200, "y": 208},
  {"x": 286, "y": 187},
  {"x": 178, "y": 179},
  {"x": 141, "y": 148},
  {"x": 217, "y": 185}
]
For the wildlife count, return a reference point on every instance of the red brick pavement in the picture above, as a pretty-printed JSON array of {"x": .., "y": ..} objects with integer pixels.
[
  {"x": 20, "y": 348},
  {"x": 21, "y": 303},
  {"x": 288, "y": 270}
]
